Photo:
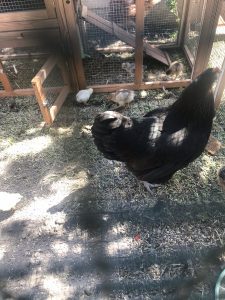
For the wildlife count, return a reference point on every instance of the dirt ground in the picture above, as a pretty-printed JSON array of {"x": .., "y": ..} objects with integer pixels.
[{"x": 75, "y": 225}]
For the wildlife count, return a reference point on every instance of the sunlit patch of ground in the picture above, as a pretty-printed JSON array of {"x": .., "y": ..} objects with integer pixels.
[{"x": 75, "y": 225}]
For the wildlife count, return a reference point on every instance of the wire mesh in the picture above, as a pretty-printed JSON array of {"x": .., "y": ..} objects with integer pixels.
[
  {"x": 53, "y": 80},
  {"x": 162, "y": 21},
  {"x": 217, "y": 55},
  {"x": 21, "y": 5},
  {"x": 103, "y": 53},
  {"x": 194, "y": 25},
  {"x": 21, "y": 71}
]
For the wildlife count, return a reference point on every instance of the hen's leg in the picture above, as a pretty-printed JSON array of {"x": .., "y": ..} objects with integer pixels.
[{"x": 150, "y": 186}]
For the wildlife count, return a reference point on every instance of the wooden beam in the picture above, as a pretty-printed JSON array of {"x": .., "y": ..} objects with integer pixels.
[
  {"x": 28, "y": 25},
  {"x": 27, "y": 92},
  {"x": 183, "y": 23},
  {"x": 41, "y": 99},
  {"x": 64, "y": 71},
  {"x": 115, "y": 49},
  {"x": 23, "y": 55},
  {"x": 220, "y": 87},
  {"x": 123, "y": 35},
  {"x": 28, "y": 38},
  {"x": 5, "y": 82},
  {"x": 45, "y": 70},
  {"x": 24, "y": 15},
  {"x": 142, "y": 86},
  {"x": 139, "y": 41},
  {"x": 64, "y": 33},
  {"x": 210, "y": 21},
  {"x": 50, "y": 7},
  {"x": 189, "y": 56},
  {"x": 73, "y": 47},
  {"x": 55, "y": 108}
]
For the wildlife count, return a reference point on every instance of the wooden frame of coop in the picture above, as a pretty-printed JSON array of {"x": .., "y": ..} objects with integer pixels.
[
  {"x": 58, "y": 22},
  {"x": 209, "y": 19},
  {"x": 48, "y": 112}
]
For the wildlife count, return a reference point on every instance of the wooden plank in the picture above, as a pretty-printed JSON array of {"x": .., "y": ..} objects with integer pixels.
[
  {"x": 45, "y": 70},
  {"x": 123, "y": 35},
  {"x": 50, "y": 7},
  {"x": 28, "y": 25},
  {"x": 74, "y": 43},
  {"x": 41, "y": 99},
  {"x": 142, "y": 86},
  {"x": 23, "y": 55},
  {"x": 61, "y": 16},
  {"x": 49, "y": 38},
  {"x": 24, "y": 15},
  {"x": 189, "y": 56},
  {"x": 54, "y": 110},
  {"x": 27, "y": 92},
  {"x": 5, "y": 82},
  {"x": 139, "y": 41},
  {"x": 23, "y": 34},
  {"x": 210, "y": 21},
  {"x": 115, "y": 49},
  {"x": 64, "y": 71},
  {"x": 183, "y": 23},
  {"x": 220, "y": 87}
]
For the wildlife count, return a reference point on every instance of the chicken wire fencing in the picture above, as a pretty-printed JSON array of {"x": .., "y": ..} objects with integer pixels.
[
  {"x": 103, "y": 61},
  {"x": 20, "y": 5},
  {"x": 194, "y": 25},
  {"x": 217, "y": 56},
  {"x": 21, "y": 71},
  {"x": 54, "y": 80},
  {"x": 162, "y": 21},
  {"x": 106, "y": 56}
]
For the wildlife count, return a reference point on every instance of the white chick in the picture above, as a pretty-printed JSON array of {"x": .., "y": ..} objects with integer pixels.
[
  {"x": 84, "y": 95},
  {"x": 122, "y": 97},
  {"x": 175, "y": 68}
]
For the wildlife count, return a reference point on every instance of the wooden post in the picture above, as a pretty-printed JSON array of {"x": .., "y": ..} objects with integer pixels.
[
  {"x": 4, "y": 79},
  {"x": 70, "y": 35},
  {"x": 140, "y": 7},
  {"x": 41, "y": 98},
  {"x": 49, "y": 4},
  {"x": 183, "y": 23},
  {"x": 64, "y": 72},
  {"x": 220, "y": 86},
  {"x": 210, "y": 21}
]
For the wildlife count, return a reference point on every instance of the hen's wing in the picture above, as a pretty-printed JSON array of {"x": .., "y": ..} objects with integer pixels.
[
  {"x": 125, "y": 139},
  {"x": 175, "y": 147}
]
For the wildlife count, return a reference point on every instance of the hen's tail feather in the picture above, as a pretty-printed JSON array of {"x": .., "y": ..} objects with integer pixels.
[{"x": 104, "y": 131}]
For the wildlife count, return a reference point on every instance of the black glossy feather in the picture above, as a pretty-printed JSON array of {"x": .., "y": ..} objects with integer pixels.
[{"x": 165, "y": 140}]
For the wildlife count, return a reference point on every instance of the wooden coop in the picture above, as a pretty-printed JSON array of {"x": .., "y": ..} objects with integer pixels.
[
  {"x": 106, "y": 45},
  {"x": 30, "y": 56}
]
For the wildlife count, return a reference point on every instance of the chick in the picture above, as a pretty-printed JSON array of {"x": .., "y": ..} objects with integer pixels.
[
  {"x": 83, "y": 96},
  {"x": 221, "y": 178},
  {"x": 176, "y": 68},
  {"x": 129, "y": 68},
  {"x": 122, "y": 97}
]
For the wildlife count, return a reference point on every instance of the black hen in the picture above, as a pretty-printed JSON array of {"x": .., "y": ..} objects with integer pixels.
[{"x": 166, "y": 139}]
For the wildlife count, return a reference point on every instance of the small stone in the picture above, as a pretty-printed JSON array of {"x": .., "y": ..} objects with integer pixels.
[
  {"x": 24, "y": 236},
  {"x": 88, "y": 293}
]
